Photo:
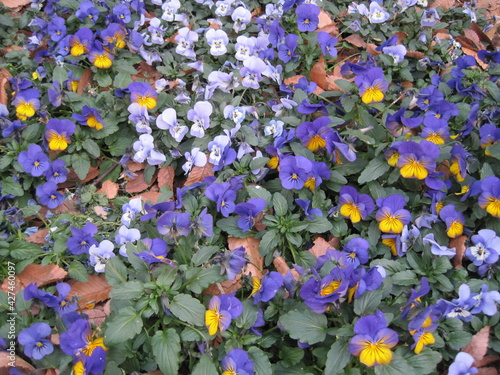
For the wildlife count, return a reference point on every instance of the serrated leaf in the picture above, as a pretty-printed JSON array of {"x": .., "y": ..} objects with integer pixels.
[
  {"x": 458, "y": 340},
  {"x": 199, "y": 280},
  {"x": 77, "y": 271},
  {"x": 425, "y": 362},
  {"x": 261, "y": 364},
  {"x": 81, "y": 164},
  {"x": 123, "y": 327},
  {"x": 11, "y": 187},
  {"x": 166, "y": 351},
  {"x": 188, "y": 309},
  {"x": 128, "y": 291},
  {"x": 92, "y": 148},
  {"x": 338, "y": 357},
  {"x": 368, "y": 302},
  {"x": 374, "y": 169},
  {"x": 205, "y": 366},
  {"x": 405, "y": 278},
  {"x": 306, "y": 326}
]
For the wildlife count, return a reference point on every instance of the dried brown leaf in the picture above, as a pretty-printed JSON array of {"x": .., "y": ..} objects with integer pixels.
[
  {"x": 487, "y": 360},
  {"x": 146, "y": 72},
  {"x": 295, "y": 79},
  {"x": 21, "y": 364},
  {"x": 324, "y": 19},
  {"x": 38, "y": 237},
  {"x": 100, "y": 211},
  {"x": 138, "y": 184},
  {"x": 198, "y": 174},
  {"x": 166, "y": 176},
  {"x": 149, "y": 196},
  {"x": 36, "y": 273},
  {"x": 318, "y": 73},
  {"x": 474, "y": 36},
  {"x": 356, "y": 40},
  {"x": 251, "y": 245},
  {"x": 95, "y": 289},
  {"x": 85, "y": 81},
  {"x": 15, "y": 4},
  {"x": 110, "y": 189},
  {"x": 68, "y": 206},
  {"x": 332, "y": 29},
  {"x": 4, "y": 85},
  {"x": 134, "y": 167},
  {"x": 478, "y": 345},
  {"x": 96, "y": 316},
  {"x": 224, "y": 287},
  {"x": 91, "y": 174},
  {"x": 415, "y": 54},
  {"x": 487, "y": 371},
  {"x": 445, "y": 4},
  {"x": 459, "y": 244},
  {"x": 320, "y": 246},
  {"x": 492, "y": 7}
]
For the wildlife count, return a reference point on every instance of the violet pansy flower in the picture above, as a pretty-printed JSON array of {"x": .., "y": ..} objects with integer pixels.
[
  {"x": 36, "y": 345},
  {"x": 34, "y": 161},
  {"x": 200, "y": 116}
]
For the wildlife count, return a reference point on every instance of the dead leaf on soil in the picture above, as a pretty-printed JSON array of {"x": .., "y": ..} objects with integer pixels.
[
  {"x": 15, "y": 4},
  {"x": 356, "y": 40},
  {"x": 445, "y": 4},
  {"x": 100, "y": 211},
  {"x": 251, "y": 246},
  {"x": 225, "y": 287},
  {"x": 96, "y": 316},
  {"x": 21, "y": 364},
  {"x": 318, "y": 73},
  {"x": 332, "y": 29},
  {"x": 415, "y": 54},
  {"x": 4, "y": 85},
  {"x": 95, "y": 289},
  {"x": 36, "y": 273},
  {"x": 138, "y": 184},
  {"x": 198, "y": 174},
  {"x": 487, "y": 360},
  {"x": 134, "y": 167},
  {"x": 149, "y": 196},
  {"x": 295, "y": 79},
  {"x": 459, "y": 244},
  {"x": 478, "y": 345},
  {"x": 85, "y": 81},
  {"x": 324, "y": 19},
  {"x": 320, "y": 246},
  {"x": 487, "y": 371},
  {"x": 166, "y": 176},
  {"x": 38, "y": 237},
  {"x": 110, "y": 189}
]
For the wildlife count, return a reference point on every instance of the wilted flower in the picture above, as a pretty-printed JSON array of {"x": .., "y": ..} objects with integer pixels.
[{"x": 438, "y": 249}]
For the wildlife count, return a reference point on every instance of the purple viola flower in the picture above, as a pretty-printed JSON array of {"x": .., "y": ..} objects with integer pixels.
[
  {"x": 100, "y": 254},
  {"x": 57, "y": 133},
  {"x": 458, "y": 308},
  {"x": 486, "y": 301},
  {"x": 221, "y": 311},
  {"x": 60, "y": 303},
  {"x": 126, "y": 235},
  {"x": 34, "y": 161},
  {"x": 56, "y": 29},
  {"x": 315, "y": 135},
  {"x": 440, "y": 113},
  {"x": 356, "y": 251},
  {"x": 392, "y": 217},
  {"x": 462, "y": 365},
  {"x": 194, "y": 158},
  {"x": 156, "y": 253},
  {"x": 453, "y": 219},
  {"x": 55, "y": 94},
  {"x": 237, "y": 362},
  {"x": 36, "y": 345},
  {"x": 309, "y": 212},
  {"x": 217, "y": 40},
  {"x": 307, "y": 17},
  {"x": 400, "y": 125},
  {"x": 248, "y": 212},
  {"x": 397, "y": 52},
  {"x": 87, "y": 10},
  {"x": 145, "y": 151},
  {"x": 244, "y": 47},
  {"x": 223, "y": 195},
  {"x": 373, "y": 340},
  {"x": 438, "y": 249},
  {"x": 130, "y": 209},
  {"x": 140, "y": 117},
  {"x": 293, "y": 175},
  {"x": 170, "y": 9},
  {"x": 185, "y": 43},
  {"x": 232, "y": 262},
  {"x": 143, "y": 94},
  {"x": 122, "y": 13},
  {"x": 372, "y": 85},
  {"x": 321, "y": 294},
  {"x": 415, "y": 295},
  {"x": 417, "y": 160},
  {"x": 327, "y": 44},
  {"x": 203, "y": 224},
  {"x": 377, "y": 14},
  {"x": 486, "y": 248},
  {"x": 56, "y": 171},
  {"x": 48, "y": 194},
  {"x": 200, "y": 116},
  {"x": 429, "y": 17},
  {"x": 241, "y": 17},
  {"x": 286, "y": 50},
  {"x": 82, "y": 239},
  {"x": 265, "y": 289},
  {"x": 174, "y": 224},
  {"x": 27, "y": 103},
  {"x": 354, "y": 206},
  {"x": 362, "y": 280},
  {"x": 90, "y": 117},
  {"x": 167, "y": 120},
  {"x": 489, "y": 199},
  {"x": 252, "y": 70}
]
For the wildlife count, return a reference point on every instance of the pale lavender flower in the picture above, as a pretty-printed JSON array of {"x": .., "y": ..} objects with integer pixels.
[
  {"x": 170, "y": 9},
  {"x": 244, "y": 47},
  {"x": 217, "y": 40},
  {"x": 200, "y": 116},
  {"x": 377, "y": 14},
  {"x": 145, "y": 151},
  {"x": 156, "y": 30},
  {"x": 237, "y": 114},
  {"x": 130, "y": 209},
  {"x": 185, "y": 43},
  {"x": 99, "y": 255},
  {"x": 252, "y": 70},
  {"x": 220, "y": 80},
  {"x": 486, "y": 301},
  {"x": 196, "y": 158},
  {"x": 217, "y": 147},
  {"x": 462, "y": 365},
  {"x": 124, "y": 236},
  {"x": 140, "y": 117},
  {"x": 397, "y": 52},
  {"x": 275, "y": 128},
  {"x": 223, "y": 8},
  {"x": 438, "y": 249},
  {"x": 167, "y": 120},
  {"x": 241, "y": 17}
]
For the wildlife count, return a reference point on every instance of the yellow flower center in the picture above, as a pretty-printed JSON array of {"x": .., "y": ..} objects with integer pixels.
[
  {"x": 456, "y": 229},
  {"x": 316, "y": 143},
  {"x": 147, "y": 101},
  {"x": 375, "y": 354},
  {"x": 391, "y": 224},
  {"x": 326, "y": 290},
  {"x": 372, "y": 95},
  {"x": 493, "y": 207},
  {"x": 414, "y": 170},
  {"x": 103, "y": 61},
  {"x": 351, "y": 210}
]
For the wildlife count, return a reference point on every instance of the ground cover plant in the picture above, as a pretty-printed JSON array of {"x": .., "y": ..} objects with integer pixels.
[{"x": 243, "y": 187}]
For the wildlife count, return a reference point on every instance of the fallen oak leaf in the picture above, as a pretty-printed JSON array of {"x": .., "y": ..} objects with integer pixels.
[
  {"x": 95, "y": 289},
  {"x": 110, "y": 189},
  {"x": 166, "y": 176},
  {"x": 478, "y": 345},
  {"x": 198, "y": 174},
  {"x": 138, "y": 184}
]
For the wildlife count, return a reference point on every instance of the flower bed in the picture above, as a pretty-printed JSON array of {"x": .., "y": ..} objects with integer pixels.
[{"x": 249, "y": 188}]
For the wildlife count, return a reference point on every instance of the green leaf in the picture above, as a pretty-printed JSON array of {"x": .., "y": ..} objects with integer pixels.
[
  {"x": 205, "y": 366},
  {"x": 103, "y": 79},
  {"x": 338, "y": 357},
  {"x": 269, "y": 242},
  {"x": 458, "y": 340},
  {"x": 24, "y": 250},
  {"x": 261, "y": 364},
  {"x": 81, "y": 164},
  {"x": 129, "y": 291},
  {"x": 123, "y": 327},
  {"x": 319, "y": 224},
  {"x": 188, "y": 309},
  {"x": 425, "y": 362},
  {"x": 494, "y": 150},
  {"x": 248, "y": 317},
  {"x": 199, "y": 280},
  {"x": 280, "y": 204},
  {"x": 115, "y": 272},
  {"x": 258, "y": 162},
  {"x": 204, "y": 254},
  {"x": 374, "y": 169},
  {"x": 405, "y": 278},
  {"x": 77, "y": 271},
  {"x": 166, "y": 351},
  {"x": 397, "y": 366},
  {"x": 368, "y": 302},
  {"x": 344, "y": 85},
  {"x": 290, "y": 356},
  {"x": 493, "y": 90},
  {"x": 306, "y": 326},
  {"x": 122, "y": 79},
  {"x": 230, "y": 226},
  {"x": 11, "y": 187},
  {"x": 166, "y": 276},
  {"x": 92, "y": 148}
]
